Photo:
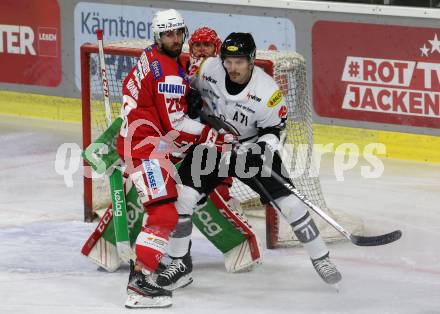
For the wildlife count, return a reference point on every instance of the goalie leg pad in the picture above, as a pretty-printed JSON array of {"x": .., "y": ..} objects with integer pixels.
[
  {"x": 223, "y": 189},
  {"x": 247, "y": 254},
  {"x": 98, "y": 249}
]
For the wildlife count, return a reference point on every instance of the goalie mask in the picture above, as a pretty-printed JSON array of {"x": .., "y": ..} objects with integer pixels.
[
  {"x": 238, "y": 45},
  {"x": 205, "y": 35},
  {"x": 165, "y": 21}
]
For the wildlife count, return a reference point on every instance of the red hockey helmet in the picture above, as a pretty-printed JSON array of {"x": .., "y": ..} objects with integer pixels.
[{"x": 205, "y": 34}]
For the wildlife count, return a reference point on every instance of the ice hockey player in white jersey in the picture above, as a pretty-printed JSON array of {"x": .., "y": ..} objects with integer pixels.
[{"x": 245, "y": 97}]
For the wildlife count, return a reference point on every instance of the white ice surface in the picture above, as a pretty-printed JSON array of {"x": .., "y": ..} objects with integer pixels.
[{"x": 41, "y": 234}]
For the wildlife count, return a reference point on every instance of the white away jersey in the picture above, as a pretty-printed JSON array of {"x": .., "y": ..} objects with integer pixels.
[{"x": 259, "y": 105}]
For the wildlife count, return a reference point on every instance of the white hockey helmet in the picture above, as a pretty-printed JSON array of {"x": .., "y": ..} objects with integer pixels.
[{"x": 167, "y": 20}]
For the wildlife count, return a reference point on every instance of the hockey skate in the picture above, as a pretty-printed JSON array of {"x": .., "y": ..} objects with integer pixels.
[
  {"x": 143, "y": 292},
  {"x": 327, "y": 270},
  {"x": 177, "y": 274}
]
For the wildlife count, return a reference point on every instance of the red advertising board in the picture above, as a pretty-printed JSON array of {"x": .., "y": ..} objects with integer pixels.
[
  {"x": 377, "y": 73},
  {"x": 30, "y": 42}
]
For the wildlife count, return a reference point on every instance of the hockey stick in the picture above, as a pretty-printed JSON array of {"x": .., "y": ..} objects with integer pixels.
[
  {"x": 116, "y": 181},
  {"x": 359, "y": 240},
  {"x": 355, "y": 239}
]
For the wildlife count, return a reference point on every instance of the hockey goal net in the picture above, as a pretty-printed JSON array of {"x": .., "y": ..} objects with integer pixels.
[{"x": 288, "y": 70}]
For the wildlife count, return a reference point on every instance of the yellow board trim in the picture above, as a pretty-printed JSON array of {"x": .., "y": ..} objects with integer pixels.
[
  {"x": 40, "y": 106},
  {"x": 406, "y": 146}
]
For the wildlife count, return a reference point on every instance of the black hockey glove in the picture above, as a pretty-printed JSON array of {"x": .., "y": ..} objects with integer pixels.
[
  {"x": 252, "y": 157},
  {"x": 195, "y": 102}
]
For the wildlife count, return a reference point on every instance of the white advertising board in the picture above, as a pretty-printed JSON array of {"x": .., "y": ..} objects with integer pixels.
[{"x": 122, "y": 22}]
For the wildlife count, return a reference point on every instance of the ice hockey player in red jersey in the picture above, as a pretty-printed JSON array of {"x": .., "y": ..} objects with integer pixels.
[
  {"x": 155, "y": 123},
  {"x": 205, "y": 43}
]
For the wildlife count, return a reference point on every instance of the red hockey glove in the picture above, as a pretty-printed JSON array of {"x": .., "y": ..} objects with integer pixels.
[{"x": 212, "y": 137}]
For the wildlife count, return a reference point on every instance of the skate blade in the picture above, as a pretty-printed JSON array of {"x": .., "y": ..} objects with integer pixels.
[
  {"x": 336, "y": 287},
  {"x": 139, "y": 301}
]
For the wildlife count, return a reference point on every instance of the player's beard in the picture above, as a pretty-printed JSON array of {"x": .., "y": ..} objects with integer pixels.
[{"x": 174, "y": 52}]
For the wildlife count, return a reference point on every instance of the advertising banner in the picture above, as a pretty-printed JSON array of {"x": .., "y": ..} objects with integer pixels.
[
  {"x": 377, "y": 73},
  {"x": 124, "y": 22},
  {"x": 30, "y": 42}
]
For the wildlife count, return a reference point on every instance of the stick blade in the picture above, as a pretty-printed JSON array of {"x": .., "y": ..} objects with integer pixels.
[{"x": 376, "y": 240}]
